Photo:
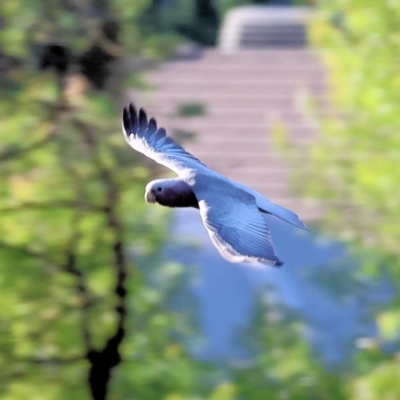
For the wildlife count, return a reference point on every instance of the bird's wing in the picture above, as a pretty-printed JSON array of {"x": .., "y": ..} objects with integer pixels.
[
  {"x": 267, "y": 206},
  {"x": 235, "y": 225},
  {"x": 143, "y": 136}
]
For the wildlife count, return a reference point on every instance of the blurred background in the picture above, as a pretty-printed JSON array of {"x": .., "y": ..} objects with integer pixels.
[{"x": 105, "y": 297}]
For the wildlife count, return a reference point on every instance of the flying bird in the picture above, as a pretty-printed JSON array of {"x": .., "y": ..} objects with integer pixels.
[{"x": 232, "y": 213}]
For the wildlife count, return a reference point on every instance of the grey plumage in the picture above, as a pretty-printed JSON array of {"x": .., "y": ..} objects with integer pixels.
[{"x": 232, "y": 213}]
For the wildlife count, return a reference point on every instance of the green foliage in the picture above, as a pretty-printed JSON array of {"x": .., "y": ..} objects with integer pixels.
[
  {"x": 71, "y": 205},
  {"x": 381, "y": 383},
  {"x": 285, "y": 366},
  {"x": 226, "y": 5},
  {"x": 357, "y": 153},
  {"x": 352, "y": 167},
  {"x": 75, "y": 234}
]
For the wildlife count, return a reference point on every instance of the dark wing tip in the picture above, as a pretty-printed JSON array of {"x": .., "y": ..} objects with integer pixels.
[
  {"x": 132, "y": 109},
  {"x": 278, "y": 263},
  {"x": 126, "y": 120},
  {"x": 130, "y": 119},
  {"x": 142, "y": 118}
]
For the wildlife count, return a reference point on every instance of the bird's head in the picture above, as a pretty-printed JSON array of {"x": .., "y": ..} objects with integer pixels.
[
  {"x": 170, "y": 193},
  {"x": 159, "y": 190}
]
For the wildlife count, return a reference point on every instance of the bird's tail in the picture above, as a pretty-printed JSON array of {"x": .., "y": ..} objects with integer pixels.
[{"x": 284, "y": 214}]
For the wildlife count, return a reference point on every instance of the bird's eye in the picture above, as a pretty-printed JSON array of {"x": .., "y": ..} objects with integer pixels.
[{"x": 159, "y": 189}]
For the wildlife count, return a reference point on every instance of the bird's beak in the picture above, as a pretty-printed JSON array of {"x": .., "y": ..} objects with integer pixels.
[{"x": 149, "y": 197}]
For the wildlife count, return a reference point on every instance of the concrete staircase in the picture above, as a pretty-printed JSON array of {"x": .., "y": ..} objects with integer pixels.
[{"x": 245, "y": 96}]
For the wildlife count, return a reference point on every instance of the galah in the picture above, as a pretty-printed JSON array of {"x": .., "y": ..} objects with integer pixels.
[{"x": 232, "y": 213}]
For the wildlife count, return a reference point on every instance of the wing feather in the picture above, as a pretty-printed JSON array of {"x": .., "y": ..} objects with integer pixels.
[
  {"x": 267, "y": 206},
  {"x": 237, "y": 228},
  {"x": 143, "y": 136}
]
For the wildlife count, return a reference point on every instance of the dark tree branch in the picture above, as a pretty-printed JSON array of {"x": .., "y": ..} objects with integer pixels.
[
  {"x": 104, "y": 360},
  {"x": 31, "y": 205},
  {"x": 20, "y": 151},
  {"x": 51, "y": 360},
  {"x": 82, "y": 290},
  {"x": 26, "y": 252},
  {"x": 6, "y": 375}
]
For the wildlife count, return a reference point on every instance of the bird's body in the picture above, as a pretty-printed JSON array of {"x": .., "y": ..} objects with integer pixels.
[{"x": 232, "y": 213}]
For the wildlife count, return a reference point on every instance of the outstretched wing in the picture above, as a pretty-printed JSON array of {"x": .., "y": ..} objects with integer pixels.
[
  {"x": 236, "y": 226},
  {"x": 144, "y": 136},
  {"x": 268, "y": 207}
]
